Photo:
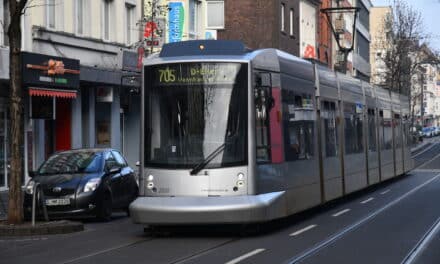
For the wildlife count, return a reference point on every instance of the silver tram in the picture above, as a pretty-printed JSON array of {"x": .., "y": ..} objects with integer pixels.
[{"x": 230, "y": 135}]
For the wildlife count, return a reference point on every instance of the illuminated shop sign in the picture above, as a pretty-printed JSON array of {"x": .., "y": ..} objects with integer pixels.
[{"x": 47, "y": 71}]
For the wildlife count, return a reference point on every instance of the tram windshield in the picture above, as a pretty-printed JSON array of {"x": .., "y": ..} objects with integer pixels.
[{"x": 194, "y": 109}]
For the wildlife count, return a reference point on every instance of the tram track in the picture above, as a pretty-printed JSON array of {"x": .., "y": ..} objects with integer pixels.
[{"x": 422, "y": 158}]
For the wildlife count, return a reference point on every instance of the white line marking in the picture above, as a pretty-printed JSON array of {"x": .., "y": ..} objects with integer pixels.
[
  {"x": 423, "y": 243},
  {"x": 303, "y": 230},
  {"x": 341, "y": 212},
  {"x": 314, "y": 249},
  {"x": 245, "y": 256},
  {"x": 384, "y": 192},
  {"x": 368, "y": 200}
]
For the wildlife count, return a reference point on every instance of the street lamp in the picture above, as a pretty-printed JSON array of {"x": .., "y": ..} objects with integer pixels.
[{"x": 338, "y": 29}]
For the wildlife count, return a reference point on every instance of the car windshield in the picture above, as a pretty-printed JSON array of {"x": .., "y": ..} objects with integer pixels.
[
  {"x": 193, "y": 109},
  {"x": 72, "y": 162}
]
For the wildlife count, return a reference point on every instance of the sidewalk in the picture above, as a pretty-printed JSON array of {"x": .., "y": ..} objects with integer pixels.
[
  {"x": 3, "y": 204},
  {"x": 425, "y": 143}
]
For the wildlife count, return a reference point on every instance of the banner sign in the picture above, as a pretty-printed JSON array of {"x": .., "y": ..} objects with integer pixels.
[{"x": 176, "y": 17}]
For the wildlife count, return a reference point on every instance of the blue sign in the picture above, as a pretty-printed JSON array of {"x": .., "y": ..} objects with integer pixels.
[{"x": 175, "y": 21}]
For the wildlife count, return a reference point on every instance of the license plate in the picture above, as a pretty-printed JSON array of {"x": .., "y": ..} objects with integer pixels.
[{"x": 53, "y": 202}]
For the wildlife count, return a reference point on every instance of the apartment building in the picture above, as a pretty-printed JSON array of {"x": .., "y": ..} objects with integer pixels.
[
  {"x": 90, "y": 102},
  {"x": 380, "y": 18}
]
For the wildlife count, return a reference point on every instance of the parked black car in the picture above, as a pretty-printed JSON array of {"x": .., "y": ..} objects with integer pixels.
[{"x": 83, "y": 182}]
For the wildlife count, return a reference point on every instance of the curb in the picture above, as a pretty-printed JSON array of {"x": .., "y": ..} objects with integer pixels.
[{"x": 41, "y": 228}]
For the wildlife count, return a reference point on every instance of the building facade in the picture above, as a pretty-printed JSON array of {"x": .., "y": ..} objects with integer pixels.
[
  {"x": 380, "y": 30},
  {"x": 102, "y": 110},
  {"x": 361, "y": 53}
]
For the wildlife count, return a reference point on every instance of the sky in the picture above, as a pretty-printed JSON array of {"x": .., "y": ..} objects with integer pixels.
[{"x": 430, "y": 10}]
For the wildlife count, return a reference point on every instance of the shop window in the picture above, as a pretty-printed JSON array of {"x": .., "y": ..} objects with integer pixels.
[
  {"x": 299, "y": 122},
  {"x": 353, "y": 129},
  {"x": 329, "y": 117}
]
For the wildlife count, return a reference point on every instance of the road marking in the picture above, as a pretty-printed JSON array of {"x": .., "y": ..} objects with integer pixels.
[
  {"x": 330, "y": 240},
  {"x": 341, "y": 212},
  {"x": 23, "y": 240},
  {"x": 423, "y": 243},
  {"x": 303, "y": 230},
  {"x": 368, "y": 200},
  {"x": 386, "y": 191},
  {"x": 245, "y": 256}
]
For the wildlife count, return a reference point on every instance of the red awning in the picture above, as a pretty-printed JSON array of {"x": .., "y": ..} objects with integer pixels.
[{"x": 52, "y": 93}]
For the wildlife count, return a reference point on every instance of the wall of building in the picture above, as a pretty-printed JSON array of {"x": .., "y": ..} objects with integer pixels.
[
  {"x": 379, "y": 42},
  {"x": 258, "y": 17},
  {"x": 325, "y": 36}
]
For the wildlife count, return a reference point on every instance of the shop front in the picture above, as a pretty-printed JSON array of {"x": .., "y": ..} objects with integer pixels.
[{"x": 51, "y": 85}]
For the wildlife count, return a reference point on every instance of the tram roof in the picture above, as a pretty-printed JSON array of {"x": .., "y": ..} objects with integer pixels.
[{"x": 214, "y": 50}]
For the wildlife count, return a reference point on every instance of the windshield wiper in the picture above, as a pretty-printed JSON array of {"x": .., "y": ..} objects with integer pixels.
[{"x": 208, "y": 159}]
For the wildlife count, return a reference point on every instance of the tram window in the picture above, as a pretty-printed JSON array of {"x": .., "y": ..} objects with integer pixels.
[
  {"x": 328, "y": 116},
  {"x": 386, "y": 132},
  {"x": 397, "y": 131},
  {"x": 299, "y": 122},
  {"x": 371, "y": 130},
  {"x": 353, "y": 129}
]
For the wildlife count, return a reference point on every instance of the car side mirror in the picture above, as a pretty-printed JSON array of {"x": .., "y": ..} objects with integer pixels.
[{"x": 32, "y": 174}]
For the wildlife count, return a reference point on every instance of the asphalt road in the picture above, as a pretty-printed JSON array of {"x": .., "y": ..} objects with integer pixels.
[{"x": 394, "y": 222}]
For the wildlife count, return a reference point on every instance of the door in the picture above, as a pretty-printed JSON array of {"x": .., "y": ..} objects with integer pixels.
[{"x": 63, "y": 124}]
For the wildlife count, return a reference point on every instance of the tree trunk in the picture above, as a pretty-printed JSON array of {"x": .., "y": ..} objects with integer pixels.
[{"x": 15, "y": 204}]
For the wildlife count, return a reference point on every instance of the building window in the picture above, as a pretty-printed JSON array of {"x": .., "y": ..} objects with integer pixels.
[
  {"x": 194, "y": 19},
  {"x": 291, "y": 22},
  {"x": 4, "y": 40},
  {"x": 50, "y": 13},
  {"x": 129, "y": 10},
  {"x": 215, "y": 14},
  {"x": 106, "y": 19},
  {"x": 79, "y": 16},
  {"x": 283, "y": 6}
]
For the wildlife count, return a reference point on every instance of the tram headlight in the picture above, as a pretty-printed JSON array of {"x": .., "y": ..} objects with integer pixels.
[
  {"x": 240, "y": 184},
  {"x": 240, "y": 180},
  {"x": 150, "y": 178}
]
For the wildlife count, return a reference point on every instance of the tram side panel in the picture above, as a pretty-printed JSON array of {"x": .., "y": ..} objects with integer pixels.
[
  {"x": 301, "y": 169},
  {"x": 331, "y": 139},
  {"x": 355, "y": 175}
]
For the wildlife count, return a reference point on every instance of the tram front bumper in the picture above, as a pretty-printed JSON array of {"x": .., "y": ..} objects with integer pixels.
[{"x": 208, "y": 210}]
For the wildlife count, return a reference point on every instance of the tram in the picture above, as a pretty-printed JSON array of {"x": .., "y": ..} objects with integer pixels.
[{"x": 231, "y": 135}]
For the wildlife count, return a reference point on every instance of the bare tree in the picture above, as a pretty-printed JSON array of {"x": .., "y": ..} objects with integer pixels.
[{"x": 15, "y": 212}]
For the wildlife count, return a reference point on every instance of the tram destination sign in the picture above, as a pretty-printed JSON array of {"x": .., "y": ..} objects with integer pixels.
[{"x": 195, "y": 73}]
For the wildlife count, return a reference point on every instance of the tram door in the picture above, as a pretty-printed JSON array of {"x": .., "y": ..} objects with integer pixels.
[{"x": 267, "y": 120}]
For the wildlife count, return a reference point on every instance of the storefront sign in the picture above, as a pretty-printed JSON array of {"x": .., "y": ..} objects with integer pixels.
[
  {"x": 176, "y": 17},
  {"x": 47, "y": 71}
]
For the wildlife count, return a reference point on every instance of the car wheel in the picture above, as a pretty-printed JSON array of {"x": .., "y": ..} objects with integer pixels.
[{"x": 105, "y": 211}]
